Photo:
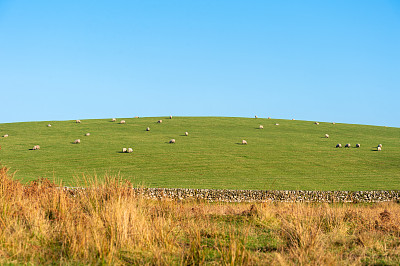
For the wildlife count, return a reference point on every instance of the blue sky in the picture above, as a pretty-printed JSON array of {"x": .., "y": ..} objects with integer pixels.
[{"x": 310, "y": 60}]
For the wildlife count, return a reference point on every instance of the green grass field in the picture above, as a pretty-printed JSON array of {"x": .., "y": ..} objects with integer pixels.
[{"x": 293, "y": 155}]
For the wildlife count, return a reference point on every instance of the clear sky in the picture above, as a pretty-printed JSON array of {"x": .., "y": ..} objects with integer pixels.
[{"x": 310, "y": 60}]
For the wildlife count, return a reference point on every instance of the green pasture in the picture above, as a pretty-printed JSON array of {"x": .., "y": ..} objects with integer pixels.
[{"x": 293, "y": 155}]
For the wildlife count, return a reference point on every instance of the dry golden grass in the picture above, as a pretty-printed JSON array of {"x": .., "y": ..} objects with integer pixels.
[{"x": 106, "y": 224}]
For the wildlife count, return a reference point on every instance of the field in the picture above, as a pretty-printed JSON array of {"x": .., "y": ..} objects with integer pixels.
[
  {"x": 292, "y": 155},
  {"x": 105, "y": 224}
]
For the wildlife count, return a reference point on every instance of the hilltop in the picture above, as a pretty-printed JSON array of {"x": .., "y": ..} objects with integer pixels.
[{"x": 291, "y": 155}]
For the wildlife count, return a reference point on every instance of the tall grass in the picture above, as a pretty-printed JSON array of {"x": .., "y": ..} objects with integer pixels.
[{"x": 41, "y": 223}]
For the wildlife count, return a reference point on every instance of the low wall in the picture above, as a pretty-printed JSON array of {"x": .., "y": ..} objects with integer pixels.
[{"x": 224, "y": 195}]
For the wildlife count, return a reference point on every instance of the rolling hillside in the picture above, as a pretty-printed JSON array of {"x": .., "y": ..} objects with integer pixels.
[{"x": 291, "y": 155}]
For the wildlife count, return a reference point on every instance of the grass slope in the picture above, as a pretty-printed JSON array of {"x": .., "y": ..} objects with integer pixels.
[{"x": 293, "y": 155}]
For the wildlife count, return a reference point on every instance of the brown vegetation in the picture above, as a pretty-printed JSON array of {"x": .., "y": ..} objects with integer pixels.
[{"x": 107, "y": 224}]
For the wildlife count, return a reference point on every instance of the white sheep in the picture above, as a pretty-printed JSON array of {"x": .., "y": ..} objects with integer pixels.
[
  {"x": 333, "y": 123},
  {"x": 244, "y": 142},
  {"x": 255, "y": 116},
  {"x": 114, "y": 119},
  {"x": 159, "y": 121},
  {"x": 78, "y": 121},
  {"x": 87, "y": 134},
  {"x": 348, "y": 145},
  {"x": 326, "y": 135},
  {"x": 136, "y": 117},
  {"x": 147, "y": 129},
  {"x": 358, "y": 145},
  {"x": 338, "y": 145},
  {"x": 77, "y": 141},
  {"x": 276, "y": 124},
  {"x": 36, "y": 147},
  {"x": 124, "y": 150},
  {"x": 130, "y": 150},
  {"x": 293, "y": 119},
  {"x": 172, "y": 141},
  {"x": 269, "y": 117},
  {"x": 380, "y": 145},
  {"x": 316, "y": 123},
  {"x": 186, "y": 133},
  {"x": 122, "y": 122},
  {"x": 379, "y": 148},
  {"x": 5, "y": 136},
  {"x": 261, "y": 127},
  {"x": 48, "y": 125},
  {"x": 170, "y": 117}
]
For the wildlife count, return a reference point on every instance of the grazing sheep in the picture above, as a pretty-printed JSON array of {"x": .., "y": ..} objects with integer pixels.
[
  {"x": 159, "y": 121},
  {"x": 316, "y": 123},
  {"x": 122, "y": 122},
  {"x": 269, "y": 117},
  {"x": 114, "y": 119},
  {"x": 36, "y": 147},
  {"x": 244, "y": 142},
  {"x": 348, "y": 145},
  {"x": 293, "y": 119},
  {"x": 48, "y": 125},
  {"x": 78, "y": 121},
  {"x": 379, "y": 148},
  {"x": 276, "y": 124},
  {"x": 170, "y": 117},
  {"x": 255, "y": 116},
  {"x": 172, "y": 141},
  {"x": 5, "y": 136},
  {"x": 326, "y": 136},
  {"x": 380, "y": 145},
  {"x": 186, "y": 133},
  {"x": 338, "y": 145},
  {"x": 77, "y": 141},
  {"x": 333, "y": 123},
  {"x": 358, "y": 145},
  {"x": 130, "y": 150},
  {"x": 124, "y": 150},
  {"x": 148, "y": 129},
  {"x": 87, "y": 134},
  {"x": 136, "y": 117},
  {"x": 261, "y": 127}
]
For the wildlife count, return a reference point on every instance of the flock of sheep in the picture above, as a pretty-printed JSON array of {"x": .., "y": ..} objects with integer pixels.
[{"x": 172, "y": 141}]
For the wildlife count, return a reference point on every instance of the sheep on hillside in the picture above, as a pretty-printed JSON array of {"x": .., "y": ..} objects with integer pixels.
[
  {"x": 147, "y": 129},
  {"x": 348, "y": 145},
  {"x": 261, "y": 127},
  {"x": 276, "y": 124},
  {"x": 172, "y": 141},
  {"x": 333, "y": 123},
  {"x": 186, "y": 133},
  {"x": 48, "y": 125},
  {"x": 317, "y": 123},
  {"x": 380, "y": 145},
  {"x": 326, "y": 135},
  {"x": 358, "y": 145},
  {"x": 122, "y": 122},
  {"x": 244, "y": 142},
  {"x": 269, "y": 117},
  {"x": 36, "y": 147},
  {"x": 379, "y": 148},
  {"x": 338, "y": 145},
  {"x": 124, "y": 150},
  {"x": 5, "y": 136},
  {"x": 130, "y": 150},
  {"x": 159, "y": 121},
  {"x": 78, "y": 121},
  {"x": 170, "y": 117},
  {"x": 255, "y": 116},
  {"x": 87, "y": 134},
  {"x": 293, "y": 119},
  {"x": 114, "y": 119},
  {"x": 136, "y": 117},
  {"x": 77, "y": 141}
]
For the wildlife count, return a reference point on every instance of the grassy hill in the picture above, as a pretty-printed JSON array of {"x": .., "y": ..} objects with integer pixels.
[{"x": 293, "y": 155}]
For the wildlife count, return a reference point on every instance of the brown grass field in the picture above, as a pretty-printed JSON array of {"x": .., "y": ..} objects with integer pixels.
[{"x": 106, "y": 224}]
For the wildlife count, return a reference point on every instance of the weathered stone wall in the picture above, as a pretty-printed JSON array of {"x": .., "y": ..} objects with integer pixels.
[{"x": 225, "y": 195}]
